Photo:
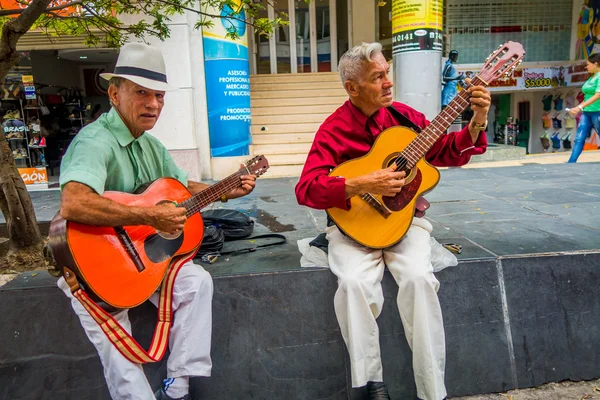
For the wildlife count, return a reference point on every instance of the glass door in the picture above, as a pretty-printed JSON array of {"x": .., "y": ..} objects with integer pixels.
[{"x": 308, "y": 44}]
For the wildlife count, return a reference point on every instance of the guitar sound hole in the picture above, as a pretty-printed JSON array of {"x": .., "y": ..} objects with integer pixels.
[
  {"x": 402, "y": 163},
  {"x": 169, "y": 236}
]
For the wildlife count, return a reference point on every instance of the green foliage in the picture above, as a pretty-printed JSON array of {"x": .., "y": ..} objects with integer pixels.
[{"x": 114, "y": 21}]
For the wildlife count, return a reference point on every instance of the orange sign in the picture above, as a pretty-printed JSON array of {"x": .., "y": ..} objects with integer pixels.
[
  {"x": 33, "y": 176},
  {"x": 15, "y": 5}
]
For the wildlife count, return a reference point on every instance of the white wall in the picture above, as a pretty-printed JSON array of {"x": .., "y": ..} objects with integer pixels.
[
  {"x": 363, "y": 21},
  {"x": 183, "y": 125}
]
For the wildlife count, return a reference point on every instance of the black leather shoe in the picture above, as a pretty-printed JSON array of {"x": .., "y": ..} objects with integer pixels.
[
  {"x": 161, "y": 395},
  {"x": 377, "y": 391}
]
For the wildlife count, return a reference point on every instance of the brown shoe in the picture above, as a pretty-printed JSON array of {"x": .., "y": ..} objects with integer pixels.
[{"x": 377, "y": 391}]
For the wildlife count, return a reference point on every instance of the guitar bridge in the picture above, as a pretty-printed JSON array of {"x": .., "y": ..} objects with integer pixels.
[
  {"x": 129, "y": 248},
  {"x": 376, "y": 204}
]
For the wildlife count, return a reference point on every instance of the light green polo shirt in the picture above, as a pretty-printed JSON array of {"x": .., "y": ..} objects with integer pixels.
[
  {"x": 105, "y": 156},
  {"x": 590, "y": 88}
]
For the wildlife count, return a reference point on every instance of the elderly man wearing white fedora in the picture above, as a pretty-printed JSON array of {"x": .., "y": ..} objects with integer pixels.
[{"x": 116, "y": 153}]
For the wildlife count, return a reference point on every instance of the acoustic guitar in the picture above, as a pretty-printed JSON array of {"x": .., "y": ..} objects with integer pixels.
[
  {"x": 124, "y": 265},
  {"x": 381, "y": 221}
]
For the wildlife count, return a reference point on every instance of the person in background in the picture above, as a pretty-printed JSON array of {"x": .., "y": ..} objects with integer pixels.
[
  {"x": 590, "y": 107},
  {"x": 450, "y": 79}
]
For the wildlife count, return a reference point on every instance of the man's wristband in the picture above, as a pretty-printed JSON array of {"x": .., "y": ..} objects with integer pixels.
[{"x": 224, "y": 199}]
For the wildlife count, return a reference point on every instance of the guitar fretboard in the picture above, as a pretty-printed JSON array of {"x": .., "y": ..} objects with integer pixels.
[
  {"x": 213, "y": 193},
  {"x": 427, "y": 138}
]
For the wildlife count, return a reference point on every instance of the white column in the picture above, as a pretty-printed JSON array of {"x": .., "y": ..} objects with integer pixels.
[
  {"x": 293, "y": 46},
  {"x": 272, "y": 40},
  {"x": 418, "y": 59},
  {"x": 183, "y": 125},
  {"x": 333, "y": 34},
  {"x": 417, "y": 81},
  {"x": 200, "y": 111},
  {"x": 312, "y": 13}
]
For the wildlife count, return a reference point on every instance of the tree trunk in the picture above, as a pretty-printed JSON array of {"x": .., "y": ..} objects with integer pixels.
[{"x": 15, "y": 202}]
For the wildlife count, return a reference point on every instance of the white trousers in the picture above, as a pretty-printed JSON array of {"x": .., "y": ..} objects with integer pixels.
[
  {"x": 189, "y": 341},
  {"x": 359, "y": 299}
]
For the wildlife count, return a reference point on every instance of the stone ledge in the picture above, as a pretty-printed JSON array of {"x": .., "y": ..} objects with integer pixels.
[{"x": 511, "y": 322}]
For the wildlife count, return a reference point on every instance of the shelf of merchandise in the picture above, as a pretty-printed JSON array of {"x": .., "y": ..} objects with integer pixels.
[
  {"x": 40, "y": 151},
  {"x": 22, "y": 161}
]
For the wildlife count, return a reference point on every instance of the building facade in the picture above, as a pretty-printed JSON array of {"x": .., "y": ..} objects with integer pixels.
[{"x": 294, "y": 84}]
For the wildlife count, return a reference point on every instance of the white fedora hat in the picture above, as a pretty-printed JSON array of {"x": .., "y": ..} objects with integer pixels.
[{"x": 141, "y": 64}]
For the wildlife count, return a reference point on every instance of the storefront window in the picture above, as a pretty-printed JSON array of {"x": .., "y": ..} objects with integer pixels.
[
  {"x": 263, "y": 65},
  {"x": 323, "y": 36},
  {"x": 302, "y": 36},
  {"x": 312, "y": 34}
]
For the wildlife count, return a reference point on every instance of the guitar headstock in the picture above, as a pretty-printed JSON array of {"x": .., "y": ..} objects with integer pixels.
[
  {"x": 503, "y": 61},
  {"x": 257, "y": 165}
]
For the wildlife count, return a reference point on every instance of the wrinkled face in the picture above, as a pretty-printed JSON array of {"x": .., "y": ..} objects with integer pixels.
[
  {"x": 375, "y": 86},
  {"x": 138, "y": 106}
]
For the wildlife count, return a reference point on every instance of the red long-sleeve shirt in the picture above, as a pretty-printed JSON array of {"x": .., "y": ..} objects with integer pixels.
[{"x": 348, "y": 134}]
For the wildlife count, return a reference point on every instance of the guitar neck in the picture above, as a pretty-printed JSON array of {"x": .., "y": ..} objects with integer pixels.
[
  {"x": 211, "y": 194},
  {"x": 419, "y": 147}
]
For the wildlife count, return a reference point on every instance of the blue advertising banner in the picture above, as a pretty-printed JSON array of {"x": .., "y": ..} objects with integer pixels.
[{"x": 227, "y": 85}]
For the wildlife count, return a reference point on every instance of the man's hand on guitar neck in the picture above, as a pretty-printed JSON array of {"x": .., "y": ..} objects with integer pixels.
[{"x": 385, "y": 182}]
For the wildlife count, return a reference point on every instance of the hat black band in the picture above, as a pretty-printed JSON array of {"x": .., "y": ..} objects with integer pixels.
[{"x": 142, "y": 73}]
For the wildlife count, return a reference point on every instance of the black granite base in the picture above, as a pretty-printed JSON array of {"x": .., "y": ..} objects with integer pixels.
[{"x": 275, "y": 335}]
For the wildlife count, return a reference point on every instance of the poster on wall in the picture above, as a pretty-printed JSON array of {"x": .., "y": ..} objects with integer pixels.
[
  {"x": 588, "y": 30},
  {"x": 417, "y": 25},
  {"x": 227, "y": 83},
  {"x": 34, "y": 178}
]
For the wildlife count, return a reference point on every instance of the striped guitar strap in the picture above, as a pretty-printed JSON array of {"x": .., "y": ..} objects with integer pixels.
[{"x": 118, "y": 336}]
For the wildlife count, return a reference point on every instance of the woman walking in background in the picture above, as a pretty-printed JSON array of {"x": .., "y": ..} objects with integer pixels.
[{"x": 590, "y": 107}]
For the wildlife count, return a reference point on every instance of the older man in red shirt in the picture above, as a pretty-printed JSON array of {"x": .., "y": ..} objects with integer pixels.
[{"x": 350, "y": 133}]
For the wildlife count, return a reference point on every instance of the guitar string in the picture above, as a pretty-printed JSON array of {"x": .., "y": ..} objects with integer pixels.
[
  {"x": 407, "y": 155},
  {"x": 403, "y": 158},
  {"x": 227, "y": 187}
]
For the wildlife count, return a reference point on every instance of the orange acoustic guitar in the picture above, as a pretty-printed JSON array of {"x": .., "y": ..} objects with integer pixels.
[
  {"x": 123, "y": 266},
  {"x": 378, "y": 221}
]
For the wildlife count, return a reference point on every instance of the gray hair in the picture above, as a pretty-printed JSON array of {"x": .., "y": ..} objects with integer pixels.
[
  {"x": 116, "y": 81},
  {"x": 351, "y": 63}
]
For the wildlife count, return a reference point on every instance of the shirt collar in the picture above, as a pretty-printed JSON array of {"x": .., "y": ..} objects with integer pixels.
[
  {"x": 362, "y": 118},
  {"x": 117, "y": 127}
]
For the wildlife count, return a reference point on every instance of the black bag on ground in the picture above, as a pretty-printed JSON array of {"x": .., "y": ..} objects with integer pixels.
[
  {"x": 234, "y": 224},
  {"x": 230, "y": 225},
  {"x": 213, "y": 240}
]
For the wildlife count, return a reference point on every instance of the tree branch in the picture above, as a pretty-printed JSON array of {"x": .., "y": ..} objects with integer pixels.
[
  {"x": 203, "y": 13},
  {"x": 57, "y": 8},
  {"x": 105, "y": 21}
]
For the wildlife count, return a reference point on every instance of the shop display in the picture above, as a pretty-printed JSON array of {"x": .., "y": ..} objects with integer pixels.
[
  {"x": 545, "y": 139},
  {"x": 566, "y": 141},
  {"x": 16, "y": 133}
]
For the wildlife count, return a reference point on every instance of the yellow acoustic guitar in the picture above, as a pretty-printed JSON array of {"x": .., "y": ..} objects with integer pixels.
[{"x": 380, "y": 221}]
